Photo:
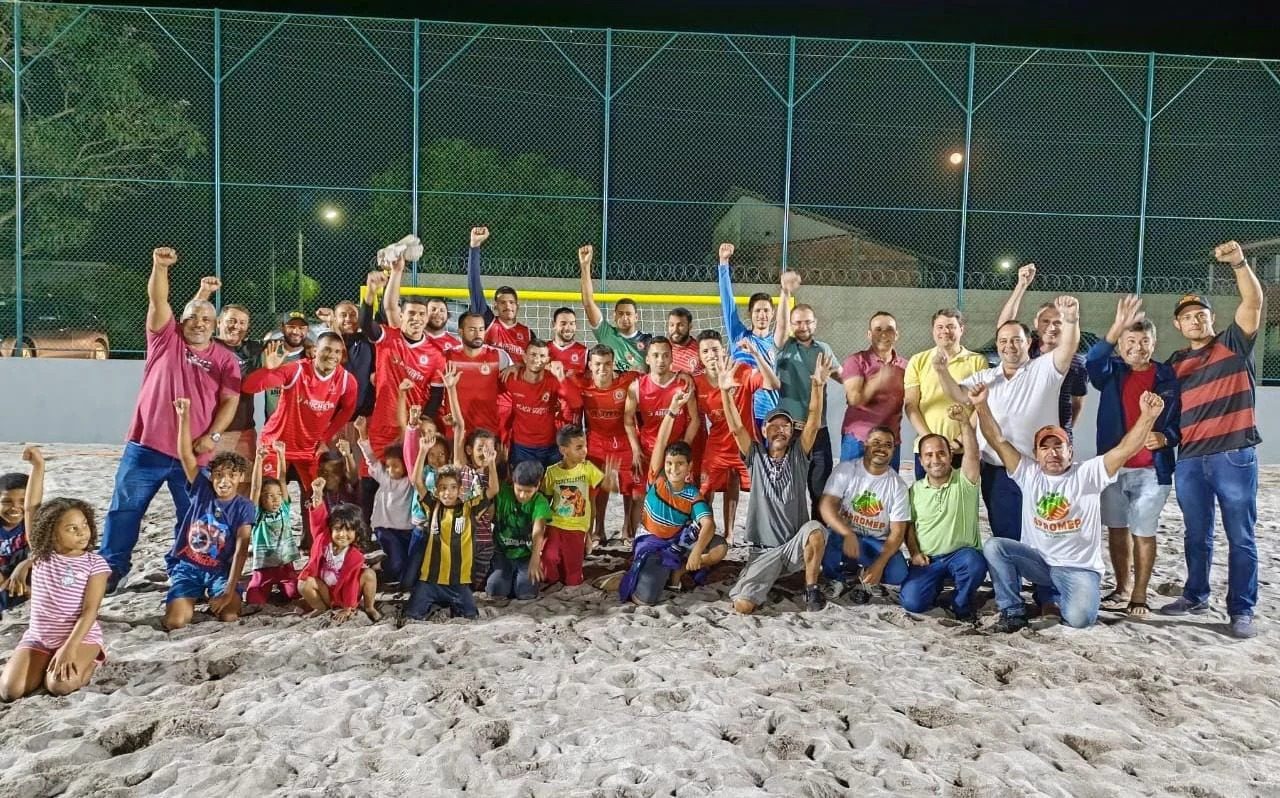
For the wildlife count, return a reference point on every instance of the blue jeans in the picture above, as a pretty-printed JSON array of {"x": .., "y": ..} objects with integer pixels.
[
  {"x": 395, "y": 544},
  {"x": 966, "y": 567},
  {"x": 457, "y": 598},
  {"x": 139, "y": 476},
  {"x": 1003, "y": 498},
  {"x": 1076, "y": 591},
  {"x": 1232, "y": 478},
  {"x": 834, "y": 561},
  {"x": 851, "y": 449},
  {"x": 509, "y": 578},
  {"x": 547, "y": 455}
]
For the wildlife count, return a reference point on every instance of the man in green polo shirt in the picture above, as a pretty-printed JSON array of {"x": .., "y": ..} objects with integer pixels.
[
  {"x": 629, "y": 345},
  {"x": 943, "y": 538},
  {"x": 924, "y": 401}
]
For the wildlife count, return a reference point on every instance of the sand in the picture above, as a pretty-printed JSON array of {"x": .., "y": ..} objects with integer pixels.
[{"x": 577, "y": 695}]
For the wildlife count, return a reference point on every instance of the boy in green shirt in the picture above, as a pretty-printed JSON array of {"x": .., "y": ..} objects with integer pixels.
[{"x": 521, "y": 514}]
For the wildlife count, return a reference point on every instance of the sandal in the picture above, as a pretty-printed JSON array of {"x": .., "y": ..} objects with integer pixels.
[
  {"x": 1138, "y": 610},
  {"x": 1113, "y": 601}
]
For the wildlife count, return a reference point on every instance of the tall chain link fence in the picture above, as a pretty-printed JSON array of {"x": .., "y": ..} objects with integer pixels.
[{"x": 278, "y": 152}]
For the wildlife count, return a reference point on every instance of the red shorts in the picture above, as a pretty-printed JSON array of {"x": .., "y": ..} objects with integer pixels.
[
  {"x": 562, "y": 556},
  {"x": 629, "y": 482},
  {"x": 716, "y": 467},
  {"x": 260, "y": 584}
]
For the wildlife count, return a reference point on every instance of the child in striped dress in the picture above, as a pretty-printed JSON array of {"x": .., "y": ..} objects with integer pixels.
[{"x": 63, "y": 643}]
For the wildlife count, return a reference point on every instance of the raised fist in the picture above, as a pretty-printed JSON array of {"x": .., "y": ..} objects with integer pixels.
[
  {"x": 33, "y": 455},
  {"x": 585, "y": 252},
  {"x": 1230, "y": 252},
  {"x": 344, "y": 447},
  {"x": 325, "y": 315},
  {"x": 790, "y": 281},
  {"x": 479, "y": 235},
  {"x": 978, "y": 394},
  {"x": 1027, "y": 274},
  {"x": 726, "y": 252},
  {"x": 407, "y": 384},
  {"x": 1151, "y": 405},
  {"x": 317, "y": 486},
  {"x": 182, "y": 405},
  {"x": 677, "y": 402},
  {"x": 278, "y": 447},
  {"x": 957, "y": 413},
  {"x": 376, "y": 281},
  {"x": 163, "y": 257},
  {"x": 1069, "y": 307},
  {"x": 210, "y": 285}
]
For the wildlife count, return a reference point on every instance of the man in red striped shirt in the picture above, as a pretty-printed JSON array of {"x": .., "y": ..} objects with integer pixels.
[
  {"x": 684, "y": 349},
  {"x": 1216, "y": 457},
  {"x": 602, "y": 395}
]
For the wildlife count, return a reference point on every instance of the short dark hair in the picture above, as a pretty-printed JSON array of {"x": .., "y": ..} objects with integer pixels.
[
  {"x": 476, "y": 434},
  {"x": 224, "y": 459},
  {"x": 568, "y": 433},
  {"x": 879, "y": 313},
  {"x": 626, "y": 301},
  {"x": 600, "y": 350},
  {"x": 759, "y": 296},
  {"x": 470, "y": 314},
  {"x": 560, "y": 311},
  {"x": 710, "y": 335},
  {"x": 1142, "y": 326},
  {"x": 438, "y": 299},
  {"x": 682, "y": 313},
  {"x": 14, "y": 480},
  {"x": 658, "y": 339},
  {"x": 268, "y": 482},
  {"x": 950, "y": 313},
  {"x": 239, "y": 307},
  {"x": 535, "y": 341},
  {"x": 933, "y": 436},
  {"x": 330, "y": 334},
  {"x": 680, "y": 449},
  {"x": 505, "y": 290},
  {"x": 803, "y": 306},
  {"x": 882, "y": 428},
  {"x": 449, "y": 472},
  {"x": 527, "y": 473},
  {"x": 350, "y": 516},
  {"x": 393, "y": 450},
  {"x": 413, "y": 299},
  {"x": 1025, "y": 329}
]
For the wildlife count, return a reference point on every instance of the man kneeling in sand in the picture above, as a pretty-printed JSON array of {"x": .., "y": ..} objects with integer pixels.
[
  {"x": 778, "y": 511},
  {"x": 1061, "y": 547}
]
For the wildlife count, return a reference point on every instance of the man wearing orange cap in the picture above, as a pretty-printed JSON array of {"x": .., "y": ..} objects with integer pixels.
[{"x": 1061, "y": 547}]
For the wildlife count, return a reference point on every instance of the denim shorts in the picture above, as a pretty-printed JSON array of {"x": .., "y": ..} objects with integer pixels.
[
  {"x": 187, "y": 581},
  {"x": 1134, "y": 500}
]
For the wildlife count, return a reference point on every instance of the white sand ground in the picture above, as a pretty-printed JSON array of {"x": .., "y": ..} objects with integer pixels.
[{"x": 576, "y": 695}]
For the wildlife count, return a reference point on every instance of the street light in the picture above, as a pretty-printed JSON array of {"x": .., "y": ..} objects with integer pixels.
[
  {"x": 1006, "y": 265},
  {"x": 328, "y": 213}
]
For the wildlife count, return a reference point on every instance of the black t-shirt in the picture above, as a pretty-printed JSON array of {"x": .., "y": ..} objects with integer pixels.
[{"x": 248, "y": 354}]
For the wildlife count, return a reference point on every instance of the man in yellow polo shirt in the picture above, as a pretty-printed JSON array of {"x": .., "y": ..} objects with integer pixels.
[{"x": 924, "y": 400}]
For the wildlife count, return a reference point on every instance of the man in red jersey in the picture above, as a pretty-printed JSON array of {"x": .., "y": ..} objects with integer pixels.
[
  {"x": 565, "y": 347},
  {"x": 535, "y": 393},
  {"x": 648, "y": 399},
  {"x": 602, "y": 394},
  {"x": 722, "y": 464},
  {"x": 684, "y": 349},
  {"x": 504, "y": 331},
  {"x": 317, "y": 398},
  {"x": 479, "y": 368}
]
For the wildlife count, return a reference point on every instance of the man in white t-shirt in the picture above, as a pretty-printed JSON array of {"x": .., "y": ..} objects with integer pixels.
[
  {"x": 865, "y": 506},
  {"x": 1023, "y": 397},
  {"x": 1061, "y": 547}
]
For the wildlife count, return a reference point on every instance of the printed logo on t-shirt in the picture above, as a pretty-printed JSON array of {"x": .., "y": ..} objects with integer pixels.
[
  {"x": 1051, "y": 510},
  {"x": 866, "y": 510},
  {"x": 617, "y": 396},
  {"x": 572, "y": 504},
  {"x": 573, "y": 358},
  {"x": 422, "y": 360},
  {"x": 206, "y": 539},
  {"x": 546, "y": 396},
  {"x": 484, "y": 368},
  {"x": 195, "y": 360}
]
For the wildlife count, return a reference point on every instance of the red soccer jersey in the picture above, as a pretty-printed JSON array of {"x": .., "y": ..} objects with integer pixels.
[
  {"x": 513, "y": 340},
  {"x": 604, "y": 411},
  {"x": 651, "y": 407},
  {"x": 535, "y": 410},
  {"x": 478, "y": 386},
  {"x": 445, "y": 341},
  {"x": 573, "y": 357},
  {"x": 311, "y": 409},
  {"x": 395, "y": 359},
  {"x": 719, "y": 439},
  {"x": 684, "y": 357}
]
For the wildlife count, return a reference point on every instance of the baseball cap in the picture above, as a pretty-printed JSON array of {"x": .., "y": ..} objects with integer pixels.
[
  {"x": 1189, "y": 300},
  {"x": 1051, "y": 431},
  {"x": 293, "y": 316},
  {"x": 778, "y": 412}
]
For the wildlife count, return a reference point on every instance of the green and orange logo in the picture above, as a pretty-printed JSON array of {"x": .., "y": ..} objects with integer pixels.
[
  {"x": 867, "y": 504},
  {"x": 1053, "y": 506}
]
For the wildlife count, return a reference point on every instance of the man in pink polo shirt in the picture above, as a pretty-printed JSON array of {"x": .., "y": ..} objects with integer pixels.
[
  {"x": 182, "y": 361},
  {"x": 873, "y": 389}
]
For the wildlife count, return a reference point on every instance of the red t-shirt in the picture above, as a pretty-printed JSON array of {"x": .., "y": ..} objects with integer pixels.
[
  {"x": 711, "y": 405},
  {"x": 311, "y": 409},
  {"x": 604, "y": 411},
  {"x": 684, "y": 357},
  {"x": 513, "y": 340},
  {"x": 396, "y": 358},
  {"x": 1130, "y": 393},
  {"x": 651, "y": 407},
  {"x": 573, "y": 357},
  {"x": 479, "y": 380},
  {"x": 535, "y": 410}
]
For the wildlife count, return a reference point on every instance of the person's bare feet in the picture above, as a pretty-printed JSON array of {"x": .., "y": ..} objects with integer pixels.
[{"x": 374, "y": 615}]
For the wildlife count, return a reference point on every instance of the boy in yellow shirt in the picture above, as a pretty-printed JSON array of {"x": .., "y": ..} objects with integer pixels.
[{"x": 568, "y": 485}]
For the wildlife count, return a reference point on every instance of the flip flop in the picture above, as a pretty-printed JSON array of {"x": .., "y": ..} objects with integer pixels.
[
  {"x": 1113, "y": 601},
  {"x": 1139, "y": 616}
]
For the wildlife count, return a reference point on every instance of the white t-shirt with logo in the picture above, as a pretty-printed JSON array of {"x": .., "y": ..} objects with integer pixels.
[
  {"x": 869, "y": 502},
  {"x": 1021, "y": 404},
  {"x": 1062, "y": 516}
]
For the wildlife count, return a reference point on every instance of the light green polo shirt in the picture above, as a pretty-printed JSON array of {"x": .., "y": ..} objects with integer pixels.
[{"x": 946, "y": 518}]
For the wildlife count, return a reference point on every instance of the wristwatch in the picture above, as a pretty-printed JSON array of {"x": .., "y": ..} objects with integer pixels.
[{"x": 215, "y": 436}]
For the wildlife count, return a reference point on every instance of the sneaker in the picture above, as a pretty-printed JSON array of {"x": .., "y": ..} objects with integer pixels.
[
  {"x": 859, "y": 595},
  {"x": 1008, "y": 622},
  {"x": 813, "y": 599},
  {"x": 833, "y": 588},
  {"x": 113, "y": 582},
  {"x": 1242, "y": 627},
  {"x": 1183, "y": 605}
]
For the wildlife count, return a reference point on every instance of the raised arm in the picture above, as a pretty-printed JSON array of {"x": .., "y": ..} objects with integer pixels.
[
  {"x": 658, "y": 458},
  {"x": 450, "y": 378},
  {"x": 209, "y": 288},
  {"x": 1069, "y": 342},
  {"x": 822, "y": 370},
  {"x": 1136, "y": 438},
  {"x": 1007, "y": 452},
  {"x": 788, "y": 283},
  {"x": 475, "y": 287},
  {"x": 255, "y": 480},
  {"x": 1013, "y": 304},
  {"x": 402, "y": 404},
  {"x": 1097, "y": 361},
  {"x": 587, "y": 287},
  {"x": 35, "y": 485},
  {"x": 948, "y": 383},
  {"x": 391, "y": 299},
  {"x": 186, "y": 452},
  {"x": 374, "y": 283},
  {"x": 159, "y": 313},
  {"x": 733, "y": 325},
  {"x": 971, "y": 465},
  {"x": 420, "y": 464},
  {"x": 691, "y": 409},
  {"x": 769, "y": 377},
  {"x": 1249, "y": 311},
  {"x": 728, "y": 387}
]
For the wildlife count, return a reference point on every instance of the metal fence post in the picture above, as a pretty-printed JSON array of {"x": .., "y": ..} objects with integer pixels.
[
  {"x": 604, "y": 185},
  {"x": 217, "y": 152},
  {"x": 17, "y": 175},
  {"x": 1146, "y": 168},
  {"x": 964, "y": 190},
  {"x": 786, "y": 185},
  {"x": 417, "y": 109}
]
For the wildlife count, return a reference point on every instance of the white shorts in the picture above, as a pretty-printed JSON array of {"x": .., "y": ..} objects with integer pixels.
[{"x": 1134, "y": 500}]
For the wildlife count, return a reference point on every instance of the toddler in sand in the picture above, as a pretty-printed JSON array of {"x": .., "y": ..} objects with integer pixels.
[
  {"x": 271, "y": 546},
  {"x": 391, "y": 520},
  {"x": 63, "y": 643},
  {"x": 335, "y": 576}
]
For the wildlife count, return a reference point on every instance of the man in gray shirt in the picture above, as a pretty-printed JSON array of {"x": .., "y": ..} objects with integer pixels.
[{"x": 778, "y": 508}]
